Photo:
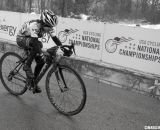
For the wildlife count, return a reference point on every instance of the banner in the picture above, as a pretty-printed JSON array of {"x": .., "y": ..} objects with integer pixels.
[
  {"x": 87, "y": 36},
  {"x": 132, "y": 47},
  {"x": 9, "y": 25}
]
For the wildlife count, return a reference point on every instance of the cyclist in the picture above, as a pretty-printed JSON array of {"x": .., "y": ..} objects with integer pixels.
[{"x": 27, "y": 38}]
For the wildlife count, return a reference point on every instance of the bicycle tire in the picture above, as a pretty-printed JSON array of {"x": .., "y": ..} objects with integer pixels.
[
  {"x": 8, "y": 85},
  {"x": 73, "y": 74}
]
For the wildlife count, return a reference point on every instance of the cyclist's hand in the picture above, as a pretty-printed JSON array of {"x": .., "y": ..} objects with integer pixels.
[
  {"x": 45, "y": 55},
  {"x": 67, "y": 52},
  {"x": 59, "y": 52}
]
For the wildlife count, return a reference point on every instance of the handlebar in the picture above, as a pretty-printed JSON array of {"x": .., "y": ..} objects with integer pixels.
[{"x": 68, "y": 47}]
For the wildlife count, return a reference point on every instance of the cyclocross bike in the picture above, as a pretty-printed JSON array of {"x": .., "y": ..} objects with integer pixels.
[{"x": 64, "y": 86}]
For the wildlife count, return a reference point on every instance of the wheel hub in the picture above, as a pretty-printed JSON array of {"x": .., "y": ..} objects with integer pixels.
[{"x": 10, "y": 77}]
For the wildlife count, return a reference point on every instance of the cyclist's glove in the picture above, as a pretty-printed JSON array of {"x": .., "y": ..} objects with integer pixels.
[
  {"x": 59, "y": 52},
  {"x": 67, "y": 52}
]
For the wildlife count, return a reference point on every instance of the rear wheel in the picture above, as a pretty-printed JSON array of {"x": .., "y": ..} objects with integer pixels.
[
  {"x": 66, "y": 90},
  {"x": 11, "y": 73}
]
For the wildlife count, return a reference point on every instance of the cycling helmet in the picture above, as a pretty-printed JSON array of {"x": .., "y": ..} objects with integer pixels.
[{"x": 49, "y": 18}]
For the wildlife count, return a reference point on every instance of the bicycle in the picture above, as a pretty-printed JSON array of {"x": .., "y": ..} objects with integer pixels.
[{"x": 64, "y": 86}]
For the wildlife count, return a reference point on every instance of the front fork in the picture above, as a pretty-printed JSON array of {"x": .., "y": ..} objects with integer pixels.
[{"x": 60, "y": 79}]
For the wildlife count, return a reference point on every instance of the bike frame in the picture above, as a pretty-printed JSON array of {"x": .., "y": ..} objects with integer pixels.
[
  {"x": 19, "y": 66},
  {"x": 58, "y": 76},
  {"x": 42, "y": 73},
  {"x": 15, "y": 70},
  {"x": 44, "y": 70}
]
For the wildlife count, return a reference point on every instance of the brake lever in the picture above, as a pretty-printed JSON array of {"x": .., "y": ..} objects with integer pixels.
[
  {"x": 74, "y": 50},
  {"x": 70, "y": 47}
]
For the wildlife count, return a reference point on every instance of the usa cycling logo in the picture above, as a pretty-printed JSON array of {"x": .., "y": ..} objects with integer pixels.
[
  {"x": 112, "y": 44},
  {"x": 62, "y": 35}
]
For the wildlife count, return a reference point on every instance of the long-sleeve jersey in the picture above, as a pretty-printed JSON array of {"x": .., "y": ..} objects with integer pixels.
[{"x": 34, "y": 29}]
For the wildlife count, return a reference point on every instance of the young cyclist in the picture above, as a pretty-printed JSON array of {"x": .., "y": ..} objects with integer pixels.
[{"x": 28, "y": 38}]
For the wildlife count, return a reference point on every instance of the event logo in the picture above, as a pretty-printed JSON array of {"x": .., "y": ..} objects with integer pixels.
[
  {"x": 62, "y": 35},
  {"x": 111, "y": 44},
  {"x": 11, "y": 30},
  {"x": 46, "y": 37}
]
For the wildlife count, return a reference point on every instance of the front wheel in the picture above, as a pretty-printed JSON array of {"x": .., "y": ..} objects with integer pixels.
[
  {"x": 66, "y": 90},
  {"x": 12, "y": 76}
]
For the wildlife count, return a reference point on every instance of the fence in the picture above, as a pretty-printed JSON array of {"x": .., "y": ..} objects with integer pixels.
[{"x": 128, "y": 48}]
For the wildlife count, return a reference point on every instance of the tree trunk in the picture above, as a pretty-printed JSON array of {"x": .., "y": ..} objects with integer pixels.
[
  {"x": 63, "y": 8},
  {"x": 30, "y": 6}
]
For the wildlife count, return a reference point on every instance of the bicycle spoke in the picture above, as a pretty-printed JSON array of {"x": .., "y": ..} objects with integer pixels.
[
  {"x": 74, "y": 96},
  {"x": 71, "y": 104},
  {"x": 11, "y": 76},
  {"x": 17, "y": 84},
  {"x": 9, "y": 64},
  {"x": 59, "y": 97},
  {"x": 24, "y": 81},
  {"x": 22, "y": 76},
  {"x": 70, "y": 100}
]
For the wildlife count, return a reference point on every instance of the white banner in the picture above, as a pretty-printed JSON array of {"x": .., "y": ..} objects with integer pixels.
[
  {"x": 135, "y": 48},
  {"x": 9, "y": 25},
  {"x": 87, "y": 36},
  {"x": 129, "y": 47}
]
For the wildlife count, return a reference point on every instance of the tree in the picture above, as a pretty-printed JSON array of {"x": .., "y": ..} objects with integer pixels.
[
  {"x": 153, "y": 10},
  {"x": 10, "y": 4},
  {"x": 30, "y": 5},
  {"x": 81, "y": 6},
  {"x": 125, "y": 7},
  {"x": 144, "y": 6},
  {"x": 111, "y": 7}
]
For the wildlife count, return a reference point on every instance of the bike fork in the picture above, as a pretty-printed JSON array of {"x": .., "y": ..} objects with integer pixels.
[{"x": 59, "y": 76}]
